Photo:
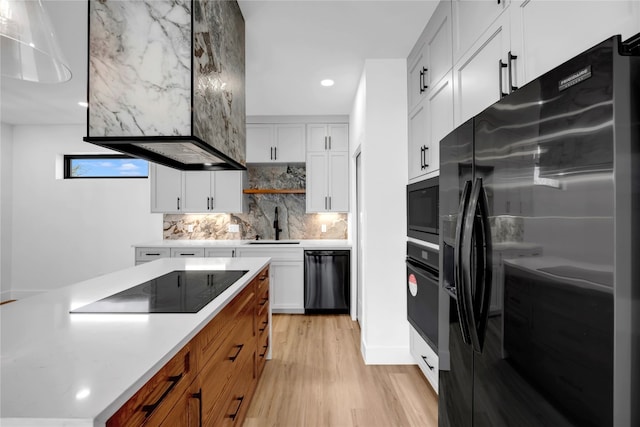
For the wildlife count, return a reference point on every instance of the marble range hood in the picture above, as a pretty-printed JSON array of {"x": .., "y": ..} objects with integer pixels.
[{"x": 166, "y": 81}]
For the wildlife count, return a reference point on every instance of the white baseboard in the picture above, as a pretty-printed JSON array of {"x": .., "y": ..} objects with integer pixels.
[{"x": 383, "y": 355}]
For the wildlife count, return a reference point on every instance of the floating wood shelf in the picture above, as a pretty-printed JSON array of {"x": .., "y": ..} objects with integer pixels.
[{"x": 274, "y": 191}]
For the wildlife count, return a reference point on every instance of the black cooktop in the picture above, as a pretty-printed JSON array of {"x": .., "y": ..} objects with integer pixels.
[{"x": 176, "y": 292}]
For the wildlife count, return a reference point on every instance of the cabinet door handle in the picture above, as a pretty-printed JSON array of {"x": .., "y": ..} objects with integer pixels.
[
  {"x": 235, "y": 414},
  {"x": 178, "y": 203},
  {"x": 424, "y": 157},
  {"x": 235, "y": 356},
  {"x": 325, "y": 142},
  {"x": 423, "y": 86},
  {"x": 275, "y": 153},
  {"x": 329, "y": 202},
  {"x": 198, "y": 396},
  {"x": 512, "y": 58},
  {"x": 329, "y": 142},
  {"x": 208, "y": 207},
  {"x": 325, "y": 202},
  {"x": 271, "y": 153},
  {"x": 501, "y": 65},
  {"x": 233, "y": 253},
  {"x": 425, "y": 361},
  {"x": 148, "y": 409}
]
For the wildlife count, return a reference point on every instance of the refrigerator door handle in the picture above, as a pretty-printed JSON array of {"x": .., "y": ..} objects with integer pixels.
[
  {"x": 486, "y": 262},
  {"x": 477, "y": 231},
  {"x": 459, "y": 276}
]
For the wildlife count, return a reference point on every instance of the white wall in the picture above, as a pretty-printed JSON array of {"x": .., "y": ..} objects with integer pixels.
[
  {"x": 65, "y": 231},
  {"x": 381, "y": 126},
  {"x": 6, "y": 144}
]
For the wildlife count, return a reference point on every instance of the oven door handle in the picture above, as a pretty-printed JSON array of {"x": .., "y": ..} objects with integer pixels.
[
  {"x": 462, "y": 303},
  {"x": 421, "y": 270}
]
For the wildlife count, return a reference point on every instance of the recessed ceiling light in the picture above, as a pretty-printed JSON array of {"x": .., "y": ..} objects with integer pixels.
[
  {"x": 83, "y": 104},
  {"x": 327, "y": 82}
]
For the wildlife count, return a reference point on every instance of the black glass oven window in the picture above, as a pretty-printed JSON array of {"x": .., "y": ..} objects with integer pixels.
[{"x": 176, "y": 292}]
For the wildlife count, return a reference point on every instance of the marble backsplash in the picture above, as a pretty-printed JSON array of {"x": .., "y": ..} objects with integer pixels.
[{"x": 258, "y": 220}]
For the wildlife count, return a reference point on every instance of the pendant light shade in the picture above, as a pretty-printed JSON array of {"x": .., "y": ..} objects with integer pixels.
[{"x": 28, "y": 47}]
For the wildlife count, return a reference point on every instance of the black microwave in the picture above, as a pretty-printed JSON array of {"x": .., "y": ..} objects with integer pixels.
[{"x": 422, "y": 210}]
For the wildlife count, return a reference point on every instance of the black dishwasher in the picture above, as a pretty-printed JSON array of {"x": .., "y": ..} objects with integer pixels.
[{"x": 327, "y": 281}]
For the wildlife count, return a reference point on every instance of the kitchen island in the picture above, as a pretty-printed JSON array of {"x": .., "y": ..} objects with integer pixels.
[{"x": 78, "y": 369}]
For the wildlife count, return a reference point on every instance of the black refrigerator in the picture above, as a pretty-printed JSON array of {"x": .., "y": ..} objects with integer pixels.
[{"x": 540, "y": 227}]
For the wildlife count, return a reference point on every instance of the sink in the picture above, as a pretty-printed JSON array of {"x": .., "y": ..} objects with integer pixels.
[{"x": 273, "y": 242}]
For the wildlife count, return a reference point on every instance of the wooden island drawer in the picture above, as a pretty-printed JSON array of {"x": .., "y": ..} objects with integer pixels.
[{"x": 153, "y": 402}]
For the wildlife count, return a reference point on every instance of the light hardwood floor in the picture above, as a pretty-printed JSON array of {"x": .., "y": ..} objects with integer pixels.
[{"x": 317, "y": 378}]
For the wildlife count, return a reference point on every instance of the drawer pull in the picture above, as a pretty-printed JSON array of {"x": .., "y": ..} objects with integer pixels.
[
  {"x": 425, "y": 361},
  {"x": 265, "y": 326},
  {"x": 235, "y": 414},
  {"x": 198, "y": 396},
  {"x": 264, "y": 301},
  {"x": 152, "y": 254},
  {"x": 150, "y": 408},
  {"x": 235, "y": 356},
  {"x": 187, "y": 254},
  {"x": 263, "y": 278},
  {"x": 265, "y": 351}
]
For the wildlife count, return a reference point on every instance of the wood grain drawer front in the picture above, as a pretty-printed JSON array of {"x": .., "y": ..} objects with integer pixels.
[
  {"x": 262, "y": 282},
  {"x": 209, "y": 340},
  {"x": 233, "y": 407},
  {"x": 154, "y": 401},
  {"x": 263, "y": 350},
  {"x": 186, "y": 412},
  {"x": 187, "y": 252},
  {"x": 149, "y": 254},
  {"x": 226, "y": 365}
]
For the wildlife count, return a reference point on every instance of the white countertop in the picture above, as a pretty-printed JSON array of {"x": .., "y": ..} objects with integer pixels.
[
  {"x": 304, "y": 244},
  {"x": 62, "y": 369}
]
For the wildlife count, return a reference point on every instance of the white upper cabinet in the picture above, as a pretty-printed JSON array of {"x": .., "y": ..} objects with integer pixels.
[
  {"x": 327, "y": 137},
  {"x": 430, "y": 58},
  {"x": 548, "y": 33},
  {"x": 175, "y": 191},
  {"x": 482, "y": 73},
  {"x": 327, "y": 168},
  {"x": 166, "y": 189},
  {"x": 470, "y": 20},
  {"x": 275, "y": 143}
]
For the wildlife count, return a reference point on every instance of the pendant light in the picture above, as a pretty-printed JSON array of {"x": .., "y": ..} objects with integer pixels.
[{"x": 28, "y": 47}]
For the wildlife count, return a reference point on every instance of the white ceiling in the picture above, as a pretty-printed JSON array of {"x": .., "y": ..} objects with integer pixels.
[{"x": 290, "y": 47}]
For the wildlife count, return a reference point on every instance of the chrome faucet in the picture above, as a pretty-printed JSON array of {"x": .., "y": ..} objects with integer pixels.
[{"x": 276, "y": 225}]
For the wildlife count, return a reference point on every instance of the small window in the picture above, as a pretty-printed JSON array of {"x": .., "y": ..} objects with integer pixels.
[{"x": 104, "y": 166}]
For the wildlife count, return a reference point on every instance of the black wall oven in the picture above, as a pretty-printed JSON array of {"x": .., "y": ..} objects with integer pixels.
[
  {"x": 422, "y": 210},
  {"x": 422, "y": 291}
]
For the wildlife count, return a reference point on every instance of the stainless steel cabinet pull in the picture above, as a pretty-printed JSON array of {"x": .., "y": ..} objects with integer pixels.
[
  {"x": 148, "y": 409},
  {"x": 235, "y": 356},
  {"x": 512, "y": 59},
  {"x": 425, "y": 361},
  {"x": 235, "y": 414},
  {"x": 501, "y": 65}
]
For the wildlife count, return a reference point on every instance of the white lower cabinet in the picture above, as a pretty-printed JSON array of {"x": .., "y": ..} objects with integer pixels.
[
  {"x": 220, "y": 252},
  {"x": 426, "y": 358},
  {"x": 187, "y": 252},
  {"x": 287, "y": 277},
  {"x": 150, "y": 254}
]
